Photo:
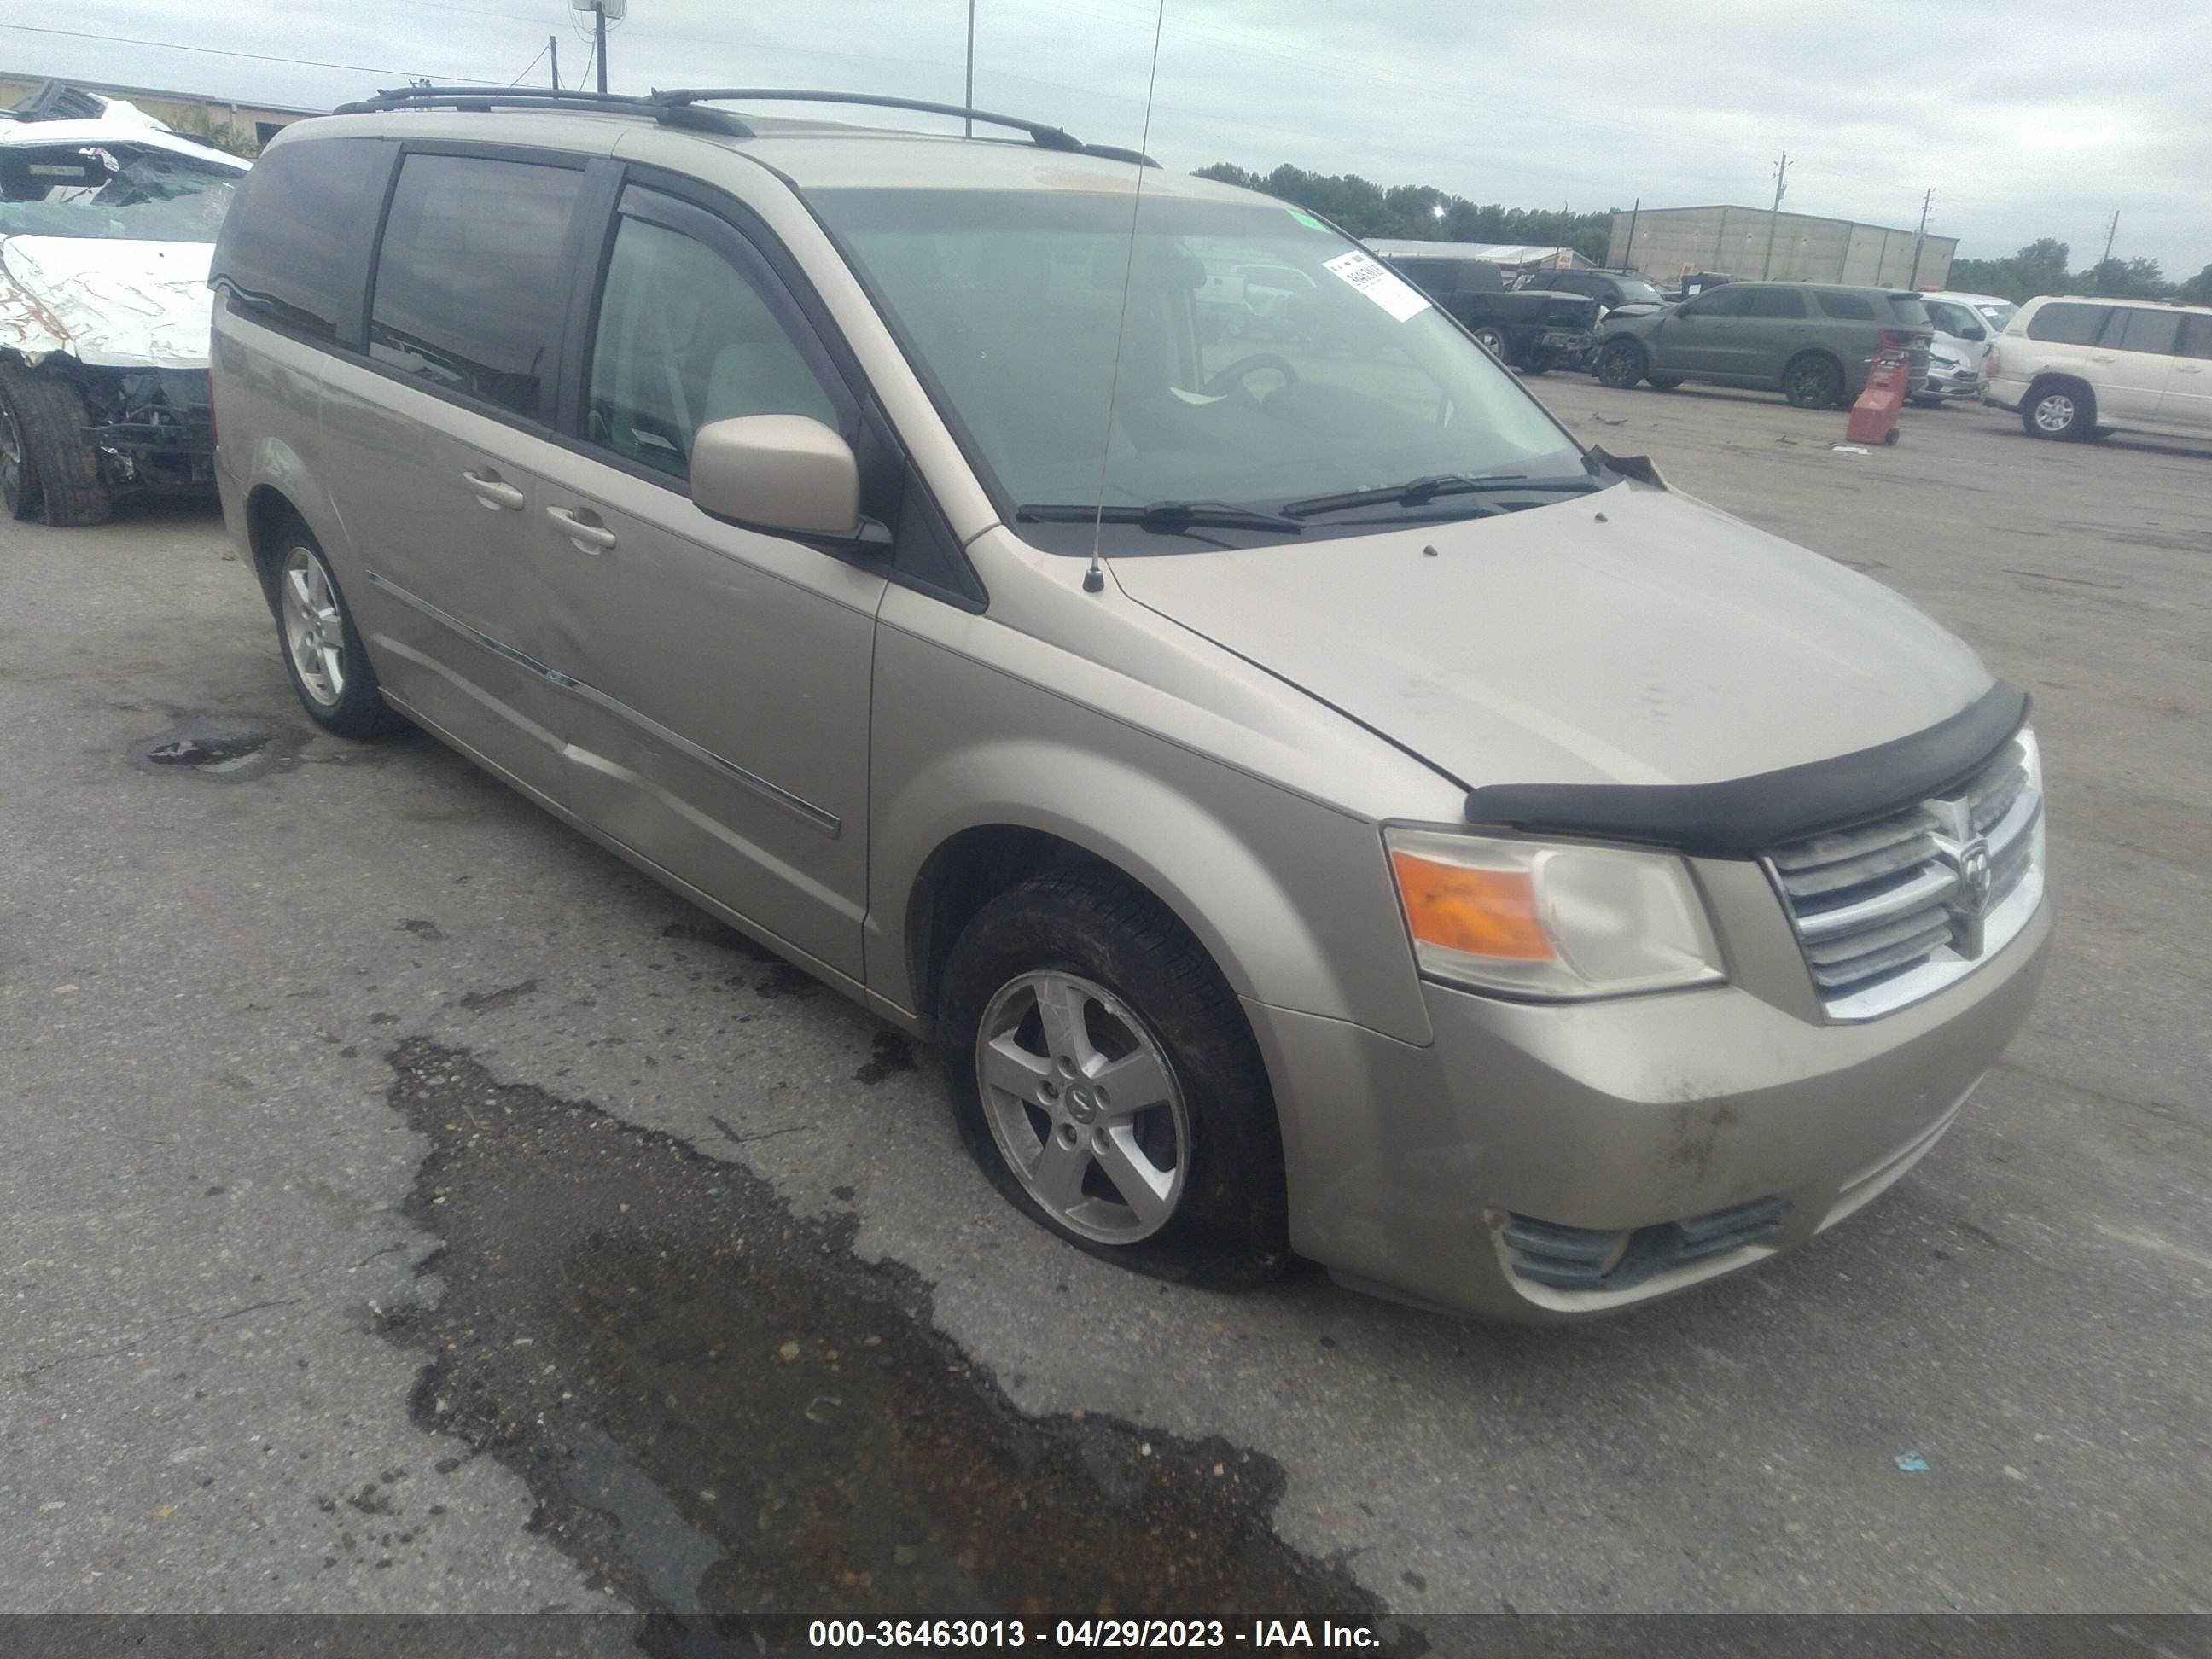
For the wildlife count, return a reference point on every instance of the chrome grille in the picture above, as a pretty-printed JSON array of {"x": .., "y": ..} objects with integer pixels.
[{"x": 1892, "y": 910}]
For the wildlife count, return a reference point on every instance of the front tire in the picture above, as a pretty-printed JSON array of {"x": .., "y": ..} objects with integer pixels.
[
  {"x": 323, "y": 651},
  {"x": 49, "y": 470},
  {"x": 1663, "y": 382},
  {"x": 1102, "y": 1076},
  {"x": 1621, "y": 364},
  {"x": 2061, "y": 411}
]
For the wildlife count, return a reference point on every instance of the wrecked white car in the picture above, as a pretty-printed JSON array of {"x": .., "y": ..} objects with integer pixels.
[{"x": 108, "y": 220}]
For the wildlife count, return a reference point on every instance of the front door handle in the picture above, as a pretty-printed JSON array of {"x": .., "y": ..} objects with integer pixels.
[
  {"x": 582, "y": 529},
  {"x": 494, "y": 491},
  {"x": 2189, "y": 368}
]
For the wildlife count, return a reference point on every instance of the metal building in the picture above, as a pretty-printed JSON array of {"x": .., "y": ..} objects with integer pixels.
[
  {"x": 192, "y": 113},
  {"x": 1746, "y": 243}
]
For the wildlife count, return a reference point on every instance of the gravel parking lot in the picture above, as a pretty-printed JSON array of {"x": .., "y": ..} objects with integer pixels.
[{"x": 272, "y": 1037}]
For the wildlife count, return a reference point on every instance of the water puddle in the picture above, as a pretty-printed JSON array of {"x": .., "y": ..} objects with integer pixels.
[
  {"x": 219, "y": 747},
  {"x": 722, "y": 1412}
]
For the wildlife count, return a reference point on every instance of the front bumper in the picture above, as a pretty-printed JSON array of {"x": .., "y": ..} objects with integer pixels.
[
  {"x": 1954, "y": 383},
  {"x": 154, "y": 429},
  {"x": 1409, "y": 1166}
]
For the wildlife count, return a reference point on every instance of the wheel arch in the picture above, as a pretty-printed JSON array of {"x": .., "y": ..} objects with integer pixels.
[
  {"x": 1826, "y": 354},
  {"x": 280, "y": 485},
  {"x": 2054, "y": 379},
  {"x": 1224, "y": 887}
]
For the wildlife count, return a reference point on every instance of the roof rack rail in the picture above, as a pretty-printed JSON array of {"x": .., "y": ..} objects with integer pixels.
[
  {"x": 666, "y": 112},
  {"x": 1048, "y": 137},
  {"x": 686, "y": 107}
]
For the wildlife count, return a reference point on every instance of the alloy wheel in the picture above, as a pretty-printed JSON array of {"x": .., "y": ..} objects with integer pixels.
[
  {"x": 2055, "y": 412},
  {"x": 1084, "y": 1106},
  {"x": 314, "y": 629}
]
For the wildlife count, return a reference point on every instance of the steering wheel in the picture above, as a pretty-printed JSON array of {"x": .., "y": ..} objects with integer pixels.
[{"x": 1244, "y": 368}]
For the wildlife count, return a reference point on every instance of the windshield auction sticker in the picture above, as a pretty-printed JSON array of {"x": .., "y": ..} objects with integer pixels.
[{"x": 1400, "y": 298}]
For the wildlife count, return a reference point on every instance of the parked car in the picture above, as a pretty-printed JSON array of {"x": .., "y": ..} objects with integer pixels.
[
  {"x": 1964, "y": 327},
  {"x": 1697, "y": 282},
  {"x": 1810, "y": 342},
  {"x": 107, "y": 221},
  {"x": 1617, "y": 293},
  {"x": 1316, "y": 807},
  {"x": 2082, "y": 368},
  {"x": 1533, "y": 331}
]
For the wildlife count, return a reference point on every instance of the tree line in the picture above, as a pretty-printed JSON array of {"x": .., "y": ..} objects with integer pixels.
[
  {"x": 1368, "y": 210},
  {"x": 2041, "y": 267}
]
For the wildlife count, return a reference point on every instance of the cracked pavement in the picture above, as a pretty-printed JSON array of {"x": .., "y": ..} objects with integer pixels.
[{"x": 201, "y": 1222}]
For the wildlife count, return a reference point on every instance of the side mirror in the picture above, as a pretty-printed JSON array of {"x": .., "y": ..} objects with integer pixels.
[
  {"x": 1974, "y": 332},
  {"x": 776, "y": 472}
]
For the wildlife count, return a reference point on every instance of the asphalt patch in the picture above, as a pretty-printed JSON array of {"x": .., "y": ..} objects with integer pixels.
[
  {"x": 220, "y": 748},
  {"x": 724, "y": 1415}
]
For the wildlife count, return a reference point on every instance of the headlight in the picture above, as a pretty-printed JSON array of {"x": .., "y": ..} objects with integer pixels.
[{"x": 1550, "y": 919}]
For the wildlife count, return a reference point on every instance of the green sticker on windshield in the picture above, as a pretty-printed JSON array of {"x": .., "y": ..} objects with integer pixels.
[{"x": 1305, "y": 219}]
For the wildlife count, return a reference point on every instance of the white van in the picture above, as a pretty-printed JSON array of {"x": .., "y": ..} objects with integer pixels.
[{"x": 2082, "y": 368}]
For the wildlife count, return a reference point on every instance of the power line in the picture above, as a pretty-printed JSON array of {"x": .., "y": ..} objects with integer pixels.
[
  {"x": 253, "y": 57},
  {"x": 534, "y": 62}
]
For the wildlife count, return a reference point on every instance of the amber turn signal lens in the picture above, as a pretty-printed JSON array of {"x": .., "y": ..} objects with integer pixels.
[{"x": 1483, "y": 913}]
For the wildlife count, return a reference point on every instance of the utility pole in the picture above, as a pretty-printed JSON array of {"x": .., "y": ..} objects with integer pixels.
[
  {"x": 1920, "y": 236},
  {"x": 1628, "y": 253},
  {"x": 599, "y": 39},
  {"x": 553, "y": 46},
  {"x": 1780, "y": 184},
  {"x": 967, "y": 122},
  {"x": 2110, "y": 231}
]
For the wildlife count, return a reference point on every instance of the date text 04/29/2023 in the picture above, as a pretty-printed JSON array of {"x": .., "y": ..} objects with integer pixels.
[{"x": 1256, "y": 1635}]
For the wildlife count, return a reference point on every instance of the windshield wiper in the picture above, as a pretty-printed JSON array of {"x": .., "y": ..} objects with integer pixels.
[
  {"x": 1161, "y": 517},
  {"x": 1420, "y": 492}
]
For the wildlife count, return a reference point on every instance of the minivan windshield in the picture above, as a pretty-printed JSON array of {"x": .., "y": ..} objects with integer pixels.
[{"x": 1265, "y": 361}]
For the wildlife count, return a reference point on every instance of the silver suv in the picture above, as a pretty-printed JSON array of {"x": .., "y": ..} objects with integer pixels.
[{"x": 1317, "y": 807}]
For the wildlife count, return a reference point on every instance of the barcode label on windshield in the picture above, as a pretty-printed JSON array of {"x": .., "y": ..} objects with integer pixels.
[{"x": 1400, "y": 298}]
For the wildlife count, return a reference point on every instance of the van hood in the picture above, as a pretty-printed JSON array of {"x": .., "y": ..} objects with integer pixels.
[
  {"x": 1630, "y": 636},
  {"x": 109, "y": 303}
]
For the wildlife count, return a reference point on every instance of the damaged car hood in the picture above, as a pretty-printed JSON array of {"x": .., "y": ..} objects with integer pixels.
[
  {"x": 109, "y": 303},
  {"x": 1631, "y": 636}
]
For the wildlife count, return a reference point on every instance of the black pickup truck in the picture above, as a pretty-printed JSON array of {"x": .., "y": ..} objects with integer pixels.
[{"x": 1531, "y": 329}]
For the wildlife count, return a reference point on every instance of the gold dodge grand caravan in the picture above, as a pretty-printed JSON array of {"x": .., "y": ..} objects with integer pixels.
[{"x": 1318, "y": 807}]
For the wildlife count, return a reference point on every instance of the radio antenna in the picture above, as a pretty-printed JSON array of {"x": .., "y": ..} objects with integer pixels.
[{"x": 1094, "y": 579}]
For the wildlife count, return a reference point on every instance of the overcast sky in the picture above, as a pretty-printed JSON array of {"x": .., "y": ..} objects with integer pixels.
[{"x": 2030, "y": 118}]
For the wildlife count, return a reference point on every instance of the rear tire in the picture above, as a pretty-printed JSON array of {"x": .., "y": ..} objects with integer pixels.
[
  {"x": 49, "y": 470},
  {"x": 1491, "y": 339},
  {"x": 1813, "y": 381},
  {"x": 1621, "y": 364},
  {"x": 2061, "y": 411},
  {"x": 323, "y": 651},
  {"x": 1067, "y": 983}
]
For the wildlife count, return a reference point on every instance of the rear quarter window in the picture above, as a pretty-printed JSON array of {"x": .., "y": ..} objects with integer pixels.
[
  {"x": 294, "y": 247},
  {"x": 2068, "y": 324},
  {"x": 1845, "y": 308},
  {"x": 1909, "y": 310}
]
